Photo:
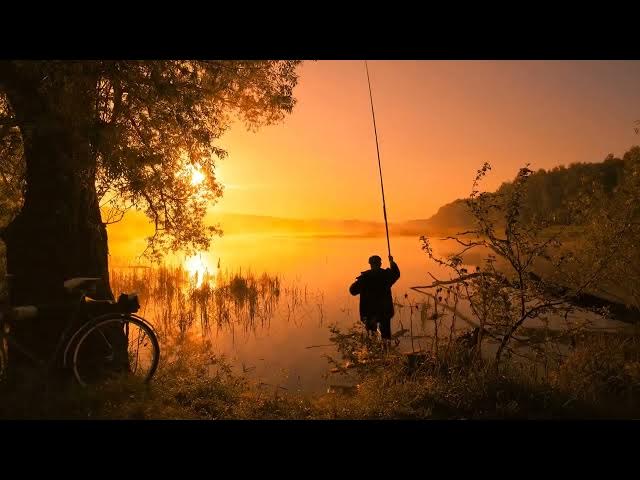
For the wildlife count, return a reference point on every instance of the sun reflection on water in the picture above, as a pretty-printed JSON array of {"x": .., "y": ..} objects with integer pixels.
[{"x": 199, "y": 270}]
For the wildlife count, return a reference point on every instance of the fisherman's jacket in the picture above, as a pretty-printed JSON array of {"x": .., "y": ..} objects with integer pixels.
[{"x": 374, "y": 288}]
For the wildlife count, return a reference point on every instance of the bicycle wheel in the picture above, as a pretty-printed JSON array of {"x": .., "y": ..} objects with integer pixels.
[{"x": 115, "y": 346}]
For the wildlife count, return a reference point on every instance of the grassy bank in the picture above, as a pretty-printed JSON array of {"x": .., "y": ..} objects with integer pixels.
[{"x": 599, "y": 379}]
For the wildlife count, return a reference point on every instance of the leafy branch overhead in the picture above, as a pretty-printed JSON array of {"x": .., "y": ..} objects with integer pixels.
[{"x": 149, "y": 125}]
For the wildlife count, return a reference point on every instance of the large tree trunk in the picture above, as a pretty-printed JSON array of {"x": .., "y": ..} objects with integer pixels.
[{"x": 58, "y": 234}]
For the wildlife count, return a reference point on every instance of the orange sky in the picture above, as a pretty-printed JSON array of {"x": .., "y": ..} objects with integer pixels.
[{"x": 438, "y": 121}]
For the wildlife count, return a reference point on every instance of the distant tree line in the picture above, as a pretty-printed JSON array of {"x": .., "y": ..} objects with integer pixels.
[
  {"x": 562, "y": 196},
  {"x": 555, "y": 194},
  {"x": 599, "y": 201}
]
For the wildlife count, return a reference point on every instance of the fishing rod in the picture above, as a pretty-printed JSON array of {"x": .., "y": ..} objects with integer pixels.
[{"x": 375, "y": 131}]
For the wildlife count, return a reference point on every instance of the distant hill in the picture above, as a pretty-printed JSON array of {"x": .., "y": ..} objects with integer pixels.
[
  {"x": 549, "y": 194},
  {"x": 449, "y": 217},
  {"x": 234, "y": 224}
]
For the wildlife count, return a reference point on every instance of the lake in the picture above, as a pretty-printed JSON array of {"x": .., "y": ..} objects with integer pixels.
[{"x": 286, "y": 350}]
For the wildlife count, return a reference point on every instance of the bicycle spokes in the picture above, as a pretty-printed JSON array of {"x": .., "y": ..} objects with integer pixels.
[{"x": 116, "y": 347}]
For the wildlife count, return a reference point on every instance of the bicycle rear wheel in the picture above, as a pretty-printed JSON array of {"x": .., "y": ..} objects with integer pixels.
[{"x": 113, "y": 347}]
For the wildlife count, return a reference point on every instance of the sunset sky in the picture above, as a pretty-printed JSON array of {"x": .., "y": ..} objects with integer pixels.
[{"x": 438, "y": 121}]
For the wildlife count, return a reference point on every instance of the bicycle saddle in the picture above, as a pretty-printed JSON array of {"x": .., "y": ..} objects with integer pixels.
[{"x": 80, "y": 283}]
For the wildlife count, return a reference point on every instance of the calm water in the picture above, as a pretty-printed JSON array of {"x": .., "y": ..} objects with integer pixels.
[
  {"x": 315, "y": 273},
  {"x": 320, "y": 270}
]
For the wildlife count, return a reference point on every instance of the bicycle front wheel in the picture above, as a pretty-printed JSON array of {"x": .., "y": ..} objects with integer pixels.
[{"x": 116, "y": 346}]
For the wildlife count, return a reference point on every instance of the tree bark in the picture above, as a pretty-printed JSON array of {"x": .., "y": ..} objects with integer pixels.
[{"x": 59, "y": 233}]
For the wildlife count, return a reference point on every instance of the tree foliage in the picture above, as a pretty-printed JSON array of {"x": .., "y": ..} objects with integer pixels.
[
  {"x": 508, "y": 289},
  {"x": 11, "y": 166},
  {"x": 612, "y": 231},
  {"x": 149, "y": 125},
  {"x": 551, "y": 194}
]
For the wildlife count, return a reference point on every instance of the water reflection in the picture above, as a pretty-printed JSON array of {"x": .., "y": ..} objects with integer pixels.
[
  {"x": 274, "y": 325},
  {"x": 198, "y": 269}
]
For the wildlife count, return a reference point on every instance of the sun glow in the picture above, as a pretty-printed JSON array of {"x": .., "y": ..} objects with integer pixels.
[{"x": 198, "y": 269}]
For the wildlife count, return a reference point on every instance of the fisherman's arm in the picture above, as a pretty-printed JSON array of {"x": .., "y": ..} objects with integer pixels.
[
  {"x": 354, "y": 289},
  {"x": 395, "y": 271}
]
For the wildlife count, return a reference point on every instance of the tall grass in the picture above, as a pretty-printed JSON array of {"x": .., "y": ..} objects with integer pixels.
[
  {"x": 600, "y": 378},
  {"x": 176, "y": 302}
]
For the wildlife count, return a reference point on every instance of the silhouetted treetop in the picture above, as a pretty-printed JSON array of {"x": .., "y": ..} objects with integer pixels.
[{"x": 146, "y": 124}]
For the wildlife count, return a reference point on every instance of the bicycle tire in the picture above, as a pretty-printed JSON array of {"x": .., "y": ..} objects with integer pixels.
[
  {"x": 95, "y": 333},
  {"x": 67, "y": 355}
]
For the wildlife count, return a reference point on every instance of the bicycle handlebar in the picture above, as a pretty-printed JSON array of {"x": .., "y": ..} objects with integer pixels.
[{"x": 126, "y": 303}]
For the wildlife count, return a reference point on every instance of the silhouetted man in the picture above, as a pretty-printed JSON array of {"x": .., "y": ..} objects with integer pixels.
[{"x": 376, "y": 303}]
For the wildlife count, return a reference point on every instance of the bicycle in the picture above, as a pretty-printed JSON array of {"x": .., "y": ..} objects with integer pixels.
[{"x": 101, "y": 339}]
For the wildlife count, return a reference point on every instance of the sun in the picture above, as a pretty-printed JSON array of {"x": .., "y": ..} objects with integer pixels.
[{"x": 197, "y": 177}]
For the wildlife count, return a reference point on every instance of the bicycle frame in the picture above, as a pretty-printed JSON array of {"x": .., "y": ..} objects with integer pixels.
[
  {"x": 74, "y": 310},
  {"x": 65, "y": 336}
]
